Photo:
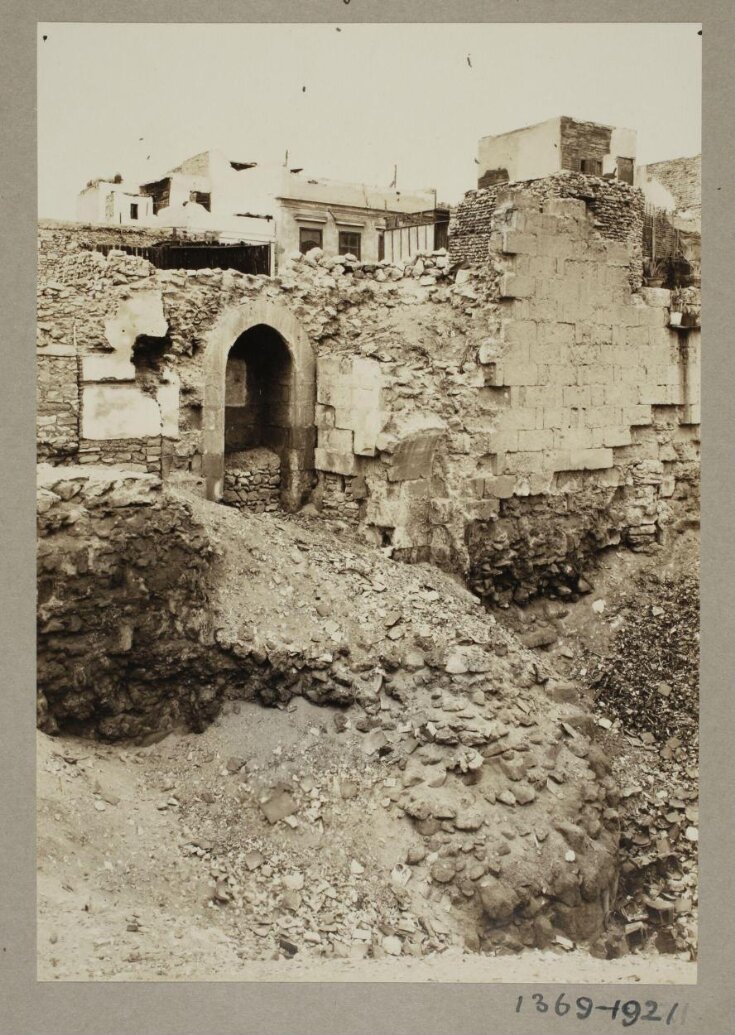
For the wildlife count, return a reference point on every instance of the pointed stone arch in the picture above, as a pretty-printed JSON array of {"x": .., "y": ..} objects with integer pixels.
[{"x": 297, "y": 449}]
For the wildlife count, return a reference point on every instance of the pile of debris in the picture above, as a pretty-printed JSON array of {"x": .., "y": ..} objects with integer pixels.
[
  {"x": 648, "y": 682},
  {"x": 473, "y": 754}
]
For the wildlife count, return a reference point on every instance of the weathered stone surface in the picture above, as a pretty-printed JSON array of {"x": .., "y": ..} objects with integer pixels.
[{"x": 527, "y": 463}]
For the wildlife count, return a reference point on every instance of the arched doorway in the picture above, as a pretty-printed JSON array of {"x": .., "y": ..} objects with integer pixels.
[
  {"x": 259, "y": 394},
  {"x": 258, "y": 380}
]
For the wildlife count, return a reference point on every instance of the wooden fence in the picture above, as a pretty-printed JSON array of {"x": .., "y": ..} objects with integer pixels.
[{"x": 177, "y": 255}]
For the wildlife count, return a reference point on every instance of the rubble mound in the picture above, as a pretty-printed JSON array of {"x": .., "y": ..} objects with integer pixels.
[
  {"x": 649, "y": 682},
  {"x": 504, "y": 801}
]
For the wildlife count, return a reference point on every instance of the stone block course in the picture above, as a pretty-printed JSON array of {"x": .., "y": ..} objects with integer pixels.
[{"x": 562, "y": 357}]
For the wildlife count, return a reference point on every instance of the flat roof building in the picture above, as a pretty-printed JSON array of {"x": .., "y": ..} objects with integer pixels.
[{"x": 557, "y": 145}]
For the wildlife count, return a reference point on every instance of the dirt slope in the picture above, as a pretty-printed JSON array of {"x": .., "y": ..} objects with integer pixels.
[{"x": 446, "y": 795}]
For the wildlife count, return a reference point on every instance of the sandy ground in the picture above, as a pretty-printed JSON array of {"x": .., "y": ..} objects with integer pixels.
[{"x": 119, "y": 899}]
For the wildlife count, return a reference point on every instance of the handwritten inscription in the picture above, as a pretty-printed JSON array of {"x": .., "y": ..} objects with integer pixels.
[{"x": 628, "y": 1012}]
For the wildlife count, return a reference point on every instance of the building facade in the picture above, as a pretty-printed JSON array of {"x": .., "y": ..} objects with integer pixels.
[
  {"x": 263, "y": 204},
  {"x": 114, "y": 202},
  {"x": 557, "y": 145}
]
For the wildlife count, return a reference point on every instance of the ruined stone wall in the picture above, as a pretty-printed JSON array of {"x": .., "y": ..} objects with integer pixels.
[
  {"x": 504, "y": 419},
  {"x": 599, "y": 436},
  {"x": 122, "y": 631},
  {"x": 91, "y": 310},
  {"x": 253, "y": 481},
  {"x": 133, "y": 454},
  {"x": 57, "y": 403},
  {"x": 616, "y": 208},
  {"x": 682, "y": 177}
]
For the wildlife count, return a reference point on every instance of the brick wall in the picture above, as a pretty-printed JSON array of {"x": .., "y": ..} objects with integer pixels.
[{"x": 581, "y": 140}]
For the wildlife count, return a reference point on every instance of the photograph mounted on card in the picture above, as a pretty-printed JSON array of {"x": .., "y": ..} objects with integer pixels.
[{"x": 368, "y": 505}]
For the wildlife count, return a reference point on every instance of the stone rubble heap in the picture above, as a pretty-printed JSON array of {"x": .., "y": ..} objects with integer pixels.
[
  {"x": 508, "y": 802},
  {"x": 649, "y": 683}
]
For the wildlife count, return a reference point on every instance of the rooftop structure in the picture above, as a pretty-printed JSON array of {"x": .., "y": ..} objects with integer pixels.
[{"x": 559, "y": 144}]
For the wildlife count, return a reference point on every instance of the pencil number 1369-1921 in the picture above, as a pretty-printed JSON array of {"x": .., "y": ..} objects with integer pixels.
[{"x": 629, "y": 1012}]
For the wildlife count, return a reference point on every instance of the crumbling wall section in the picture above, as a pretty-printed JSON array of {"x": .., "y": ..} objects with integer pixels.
[
  {"x": 99, "y": 320},
  {"x": 616, "y": 209},
  {"x": 122, "y": 604},
  {"x": 57, "y": 403},
  {"x": 598, "y": 441},
  {"x": 682, "y": 177},
  {"x": 505, "y": 420}
]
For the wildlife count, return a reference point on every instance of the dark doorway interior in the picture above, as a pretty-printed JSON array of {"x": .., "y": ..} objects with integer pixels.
[{"x": 258, "y": 392}]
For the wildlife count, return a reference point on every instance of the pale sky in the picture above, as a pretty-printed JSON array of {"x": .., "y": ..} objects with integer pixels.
[{"x": 137, "y": 99}]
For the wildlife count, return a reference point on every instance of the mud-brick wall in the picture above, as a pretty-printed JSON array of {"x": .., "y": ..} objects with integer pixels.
[
  {"x": 122, "y": 604},
  {"x": 615, "y": 207},
  {"x": 57, "y": 404}
]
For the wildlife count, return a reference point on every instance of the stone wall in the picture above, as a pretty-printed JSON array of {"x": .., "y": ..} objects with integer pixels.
[
  {"x": 340, "y": 497},
  {"x": 57, "y": 403},
  {"x": 253, "y": 480},
  {"x": 615, "y": 207},
  {"x": 682, "y": 177},
  {"x": 122, "y": 604},
  {"x": 132, "y": 454},
  {"x": 502, "y": 418},
  {"x": 598, "y": 439},
  {"x": 93, "y": 311}
]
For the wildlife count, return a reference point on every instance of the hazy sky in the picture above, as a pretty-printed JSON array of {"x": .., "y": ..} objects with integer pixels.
[{"x": 348, "y": 104}]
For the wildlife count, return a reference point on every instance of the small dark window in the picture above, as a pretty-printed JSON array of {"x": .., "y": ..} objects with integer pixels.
[
  {"x": 381, "y": 246},
  {"x": 349, "y": 243},
  {"x": 201, "y": 198},
  {"x": 591, "y": 166},
  {"x": 309, "y": 238},
  {"x": 133, "y": 211},
  {"x": 441, "y": 235},
  {"x": 625, "y": 169}
]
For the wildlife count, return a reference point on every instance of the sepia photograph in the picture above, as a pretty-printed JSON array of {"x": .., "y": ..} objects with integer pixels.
[{"x": 368, "y": 442}]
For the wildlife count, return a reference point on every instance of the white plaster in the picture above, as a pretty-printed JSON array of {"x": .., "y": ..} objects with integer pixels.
[
  {"x": 654, "y": 192},
  {"x": 108, "y": 202},
  {"x": 140, "y": 314},
  {"x": 107, "y": 366},
  {"x": 114, "y": 411},
  {"x": 168, "y": 402},
  {"x": 526, "y": 153},
  {"x": 623, "y": 143}
]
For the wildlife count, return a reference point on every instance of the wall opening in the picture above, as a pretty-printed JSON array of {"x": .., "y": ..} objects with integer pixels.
[
  {"x": 258, "y": 392},
  {"x": 259, "y": 396}
]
